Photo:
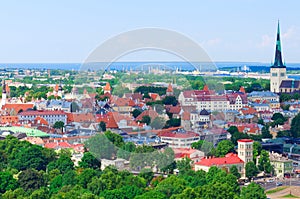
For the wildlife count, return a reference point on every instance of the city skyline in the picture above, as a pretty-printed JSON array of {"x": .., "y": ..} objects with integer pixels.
[{"x": 35, "y": 32}]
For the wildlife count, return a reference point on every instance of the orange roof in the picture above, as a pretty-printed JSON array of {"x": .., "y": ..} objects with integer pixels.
[
  {"x": 242, "y": 89},
  {"x": 111, "y": 119},
  {"x": 205, "y": 88},
  {"x": 17, "y": 107},
  {"x": 248, "y": 110},
  {"x": 55, "y": 145},
  {"x": 107, "y": 87},
  {"x": 170, "y": 89},
  {"x": 230, "y": 158},
  {"x": 80, "y": 117},
  {"x": 40, "y": 120},
  {"x": 7, "y": 88},
  {"x": 4, "y": 119},
  {"x": 124, "y": 102},
  {"x": 154, "y": 96},
  {"x": 56, "y": 88},
  {"x": 151, "y": 113}
]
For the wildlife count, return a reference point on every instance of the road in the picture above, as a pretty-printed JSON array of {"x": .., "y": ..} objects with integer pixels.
[{"x": 286, "y": 182}]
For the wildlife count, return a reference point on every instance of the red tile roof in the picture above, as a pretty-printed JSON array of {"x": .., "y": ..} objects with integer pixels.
[
  {"x": 36, "y": 113},
  {"x": 107, "y": 87},
  {"x": 17, "y": 107},
  {"x": 9, "y": 119},
  {"x": 170, "y": 88},
  {"x": 151, "y": 113},
  {"x": 41, "y": 121},
  {"x": 56, "y": 145},
  {"x": 245, "y": 140},
  {"x": 228, "y": 159},
  {"x": 173, "y": 109},
  {"x": 80, "y": 117}
]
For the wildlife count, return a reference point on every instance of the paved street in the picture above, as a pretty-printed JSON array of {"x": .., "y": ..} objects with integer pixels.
[{"x": 286, "y": 182}]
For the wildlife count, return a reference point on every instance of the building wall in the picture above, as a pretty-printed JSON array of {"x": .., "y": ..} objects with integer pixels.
[{"x": 276, "y": 76}]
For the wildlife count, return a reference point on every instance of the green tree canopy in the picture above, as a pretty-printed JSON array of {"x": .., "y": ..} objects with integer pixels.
[
  {"x": 295, "y": 126},
  {"x": 224, "y": 147},
  {"x": 89, "y": 161},
  {"x": 251, "y": 170}
]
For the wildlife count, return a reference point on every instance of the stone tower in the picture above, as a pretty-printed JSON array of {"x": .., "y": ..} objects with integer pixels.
[{"x": 278, "y": 69}]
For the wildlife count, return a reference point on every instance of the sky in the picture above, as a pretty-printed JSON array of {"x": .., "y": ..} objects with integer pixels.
[{"x": 68, "y": 31}]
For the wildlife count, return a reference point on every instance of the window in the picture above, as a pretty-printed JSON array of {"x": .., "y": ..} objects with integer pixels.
[
  {"x": 274, "y": 74},
  {"x": 282, "y": 74}
]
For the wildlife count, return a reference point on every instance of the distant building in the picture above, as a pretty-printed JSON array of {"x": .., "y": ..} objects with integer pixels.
[
  {"x": 212, "y": 101},
  {"x": 245, "y": 154},
  {"x": 279, "y": 83},
  {"x": 282, "y": 165},
  {"x": 50, "y": 116},
  {"x": 179, "y": 139}
]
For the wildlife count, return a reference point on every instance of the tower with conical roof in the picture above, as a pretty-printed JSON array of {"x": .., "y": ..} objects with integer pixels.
[{"x": 278, "y": 69}]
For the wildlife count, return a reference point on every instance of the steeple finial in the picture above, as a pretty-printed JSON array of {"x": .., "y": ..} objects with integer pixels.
[{"x": 278, "y": 55}]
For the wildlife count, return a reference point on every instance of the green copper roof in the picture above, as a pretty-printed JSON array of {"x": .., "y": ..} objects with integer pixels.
[
  {"x": 29, "y": 131},
  {"x": 278, "y": 55}
]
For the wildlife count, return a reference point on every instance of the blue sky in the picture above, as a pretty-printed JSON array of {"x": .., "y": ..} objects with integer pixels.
[{"x": 67, "y": 31}]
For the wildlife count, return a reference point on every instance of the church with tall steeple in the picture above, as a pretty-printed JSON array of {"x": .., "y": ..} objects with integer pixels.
[{"x": 279, "y": 83}]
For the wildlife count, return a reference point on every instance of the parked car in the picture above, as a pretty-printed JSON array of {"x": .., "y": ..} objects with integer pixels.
[
  {"x": 278, "y": 183},
  {"x": 270, "y": 180}
]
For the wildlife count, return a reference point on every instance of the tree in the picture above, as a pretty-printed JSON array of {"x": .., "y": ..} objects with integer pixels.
[
  {"x": 170, "y": 100},
  {"x": 85, "y": 177},
  {"x": 125, "y": 151},
  {"x": 28, "y": 156},
  {"x": 277, "y": 116},
  {"x": 224, "y": 147},
  {"x": 101, "y": 147},
  {"x": 31, "y": 180},
  {"x": 7, "y": 182},
  {"x": 136, "y": 113},
  {"x": 234, "y": 171},
  {"x": 102, "y": 126},
  {"x": 63, "y": 163},
  {"x": 264, "y": 162},
  {"x": 257, "y": 147},
  {"x": 158, "y": 123},
  {"x": 89, "y": 161},
  {"x": 232, "y": 129},
  {"x": 204, "y": 146},
  {"x": 295, "y": 126},
  {"x": 184, "y": 165},
  {"x": 59, "y": 125},
  {"x": 116, "y": 139},
  {"x": 146, "y": 119},
  {"x": 171, "y": 185},
  {"x": 173, "y": 122},
  {"x": 251, "y": 170},
  {"x": 253, "y": 190},
  {"x": 265, "y": 132}
]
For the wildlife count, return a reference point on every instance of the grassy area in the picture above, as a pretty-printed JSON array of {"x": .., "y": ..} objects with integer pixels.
[
  {"x": 289, "y": 196},
  {"x": 275, "y": 190}
]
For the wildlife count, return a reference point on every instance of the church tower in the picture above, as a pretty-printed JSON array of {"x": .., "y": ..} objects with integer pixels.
[
  {"x": 278, "y": 69},
  {"x": 3, "y": 100}
]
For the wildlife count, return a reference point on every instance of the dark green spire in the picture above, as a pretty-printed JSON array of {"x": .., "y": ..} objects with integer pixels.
[{"x": 278, "y": 57}]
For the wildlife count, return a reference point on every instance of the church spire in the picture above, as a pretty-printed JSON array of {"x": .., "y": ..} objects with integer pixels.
[{"x": 278, "y": 56}]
